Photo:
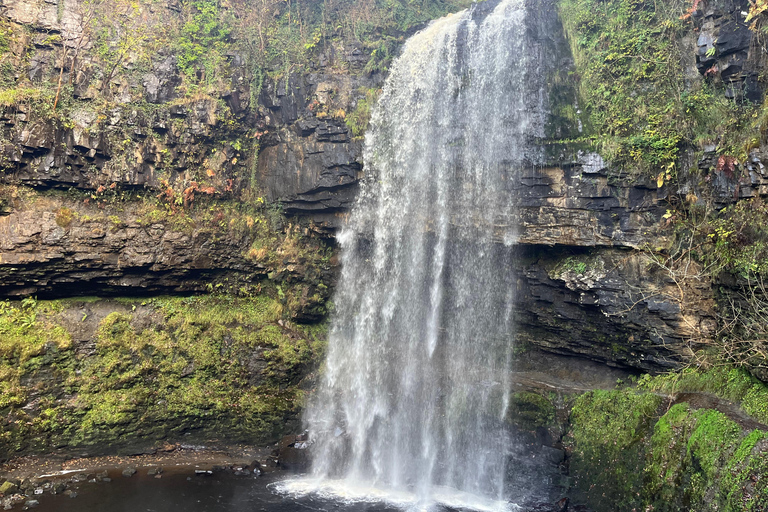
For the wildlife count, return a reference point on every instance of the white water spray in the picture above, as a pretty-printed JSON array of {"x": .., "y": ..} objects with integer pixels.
[{"x": 413, "y": 400}]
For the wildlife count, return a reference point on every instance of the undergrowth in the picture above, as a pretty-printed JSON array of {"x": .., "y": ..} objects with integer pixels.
[
  {"x": 639, "y": 110},
  {"x": 631, "y": 453}
]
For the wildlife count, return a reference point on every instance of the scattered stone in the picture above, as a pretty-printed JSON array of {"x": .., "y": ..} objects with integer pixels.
[
  {"x": 128, "y": 472},
  {"x": 31, "y": 503},
  {"x": 103, "y": 474},
  {"x": 154, "y": 471},
  {"x": 201, "y": 472},
  {"x": 292, "y": 453},
  {"x": 240, "y": 471},
  {"x": 106, "y": 479},
  {"x": 39, "y": 490},
  {"x": 59, "y": 488},
  {"x": 8, "y": 488}
]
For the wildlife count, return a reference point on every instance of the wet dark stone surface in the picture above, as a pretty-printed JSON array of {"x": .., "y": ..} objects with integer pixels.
[{"x": 182, "y": 489}]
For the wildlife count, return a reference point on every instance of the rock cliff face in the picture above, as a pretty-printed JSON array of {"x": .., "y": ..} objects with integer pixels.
[
  {"x": 139, "y": 183},
  {"x": 56, "y": 244},
  {"x": 589, "y": 285},
  {"x": 309, "y": 159},
  {"x": 727, "y": 48}
]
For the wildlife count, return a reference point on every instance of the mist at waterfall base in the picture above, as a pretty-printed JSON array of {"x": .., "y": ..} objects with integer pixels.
[{"x": 413, "y": 407}]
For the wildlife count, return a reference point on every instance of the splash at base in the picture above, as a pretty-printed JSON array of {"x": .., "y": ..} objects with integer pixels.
[{"x": 442, "y": 498}]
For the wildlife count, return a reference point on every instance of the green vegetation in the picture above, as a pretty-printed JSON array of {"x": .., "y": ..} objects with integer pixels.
[
  {"x": 725, "y": 381},
  {"x": 631, "y": 454},
  {"x": 530, "y": 411},
  {"x": 645, "y": 116},
  {"x": 357, "y": 121},
  {"x": 215, "y": 367},
  {"x": 610, "y": 429},
  {"x": 639, "y": 109},
  {"x": 733, "y": 240},
  {"x": 203, "y": 39},
  {"x": 577, "y": 265}
]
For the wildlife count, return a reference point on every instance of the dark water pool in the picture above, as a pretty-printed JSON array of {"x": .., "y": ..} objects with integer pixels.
[{"x": 183, "y": 491}]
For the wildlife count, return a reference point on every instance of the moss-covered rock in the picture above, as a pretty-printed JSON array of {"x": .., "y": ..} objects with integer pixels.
[
  {"x": 206, "y": 368},
  {"x": 629, "y": 452},
  {"x": 529, "y": 411}
]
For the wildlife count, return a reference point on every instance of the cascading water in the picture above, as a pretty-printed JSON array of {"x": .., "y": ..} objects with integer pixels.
[{"x": 415, "y": 389}]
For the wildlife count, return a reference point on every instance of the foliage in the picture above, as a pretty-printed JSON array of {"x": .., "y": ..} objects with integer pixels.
[
  {"x": 650, "y": 459},
  {"x": 357, "y": 120},
  {"x": 728, "y": 248},
  {"x": 639, "y": 108},
  {"x": 735, "y": 239},
  {"x": 724, "y": 381},
  {"x": 120, "y": 33},
  {"x": 203, "y": 39}
]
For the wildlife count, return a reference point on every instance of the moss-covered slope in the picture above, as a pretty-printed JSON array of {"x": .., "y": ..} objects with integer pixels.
[{"x": 96, "y": 376}]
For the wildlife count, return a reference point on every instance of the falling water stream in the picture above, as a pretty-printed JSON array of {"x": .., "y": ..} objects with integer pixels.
[{"x": 413, "y": 404}]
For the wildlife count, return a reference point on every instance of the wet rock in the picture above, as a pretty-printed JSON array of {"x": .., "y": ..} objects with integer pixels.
[
  {"x": 31, "y": 503},
  {"x": 309, "y": 159},
  {"x": 59, "y": 488},
  {"x": 553, "y": 455},
  {"x": 160, "y": 85},
  {"x": 154, "y": 471},
  {"x": 292, "y": 452},
  {"x": 128, "y": 472},
  {"x": 8, "y": 488},
  {"x": 124, "y": 256},
  {"x": 241, "y": 471},
  {"x": 724, "y": 48},
  {"x": 603, "y": 319}
]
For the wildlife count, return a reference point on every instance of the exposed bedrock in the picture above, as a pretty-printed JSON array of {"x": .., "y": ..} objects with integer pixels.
[
  {"x": 55, "y": 245},
  {"x": 60, "y": 247},
  {"x": 589, "y": 286},
  {"x": 309, "y": 159},
  {"x": 613, "y": 306}
]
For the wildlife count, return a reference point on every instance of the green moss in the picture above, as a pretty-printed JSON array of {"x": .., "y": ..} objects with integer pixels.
[
  {"x": 215, "y": 366},
  {"x": 27, "y": 331},
  {"x": 664, "y": 471},
  {"x": 710, "y": 445},
  {"x": 610, "y": 431},
  {"x": 530, "y": 411},
  {"x": 628, "y": 59},
  {"x": 686, "y": 459},
  {"x": 745, "y": 481},
  {"x": 728, "y": 382}
]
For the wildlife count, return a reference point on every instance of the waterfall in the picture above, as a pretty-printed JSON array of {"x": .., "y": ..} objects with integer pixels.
[{"x": 415, "y": 389}]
